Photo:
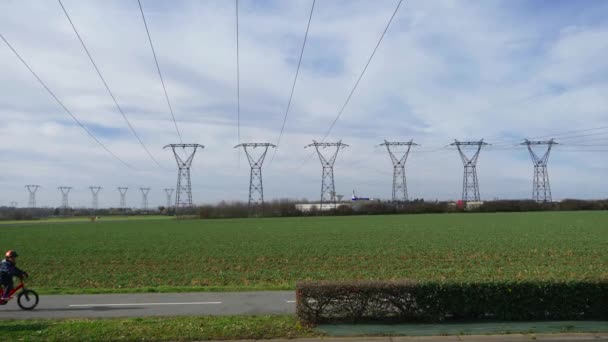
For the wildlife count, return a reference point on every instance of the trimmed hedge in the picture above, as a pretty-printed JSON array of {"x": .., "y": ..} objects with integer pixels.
[{"x": 408, "y": 301}]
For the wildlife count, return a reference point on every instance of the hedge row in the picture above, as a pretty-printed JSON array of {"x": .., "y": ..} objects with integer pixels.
[
  {"x": 407, "y": 301},
  {"x": 12, "y": 213},
  {"x": 287, "y": 208}
]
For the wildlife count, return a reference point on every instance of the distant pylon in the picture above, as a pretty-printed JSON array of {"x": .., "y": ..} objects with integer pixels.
[
  {"x": 470, "y": 186},
  {"x": 169, "y": 192},
  {"x": 328, "y": 188},
  {"x": 256, "y": 187},
  {"x": 32, "y": 193},
  {"x": 183, "y": 192},
  {"x": 399, "y": 180},
  {"x": 144, "y": 197},
  {"x": 65, "y": 191},
  {"x": 541, "y": 189},
  {"x": 95, "y": 192},
  {"x": 123, "y": 197}
]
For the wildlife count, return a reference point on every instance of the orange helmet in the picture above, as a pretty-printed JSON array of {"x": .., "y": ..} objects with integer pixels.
[{"x": 11, "y": 254}]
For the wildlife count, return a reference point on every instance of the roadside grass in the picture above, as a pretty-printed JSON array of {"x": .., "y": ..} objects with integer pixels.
[
  {"x": 261, "y": 327},
  {"x": 156, "y": 329},
  {"x": 274, "y": 253}
]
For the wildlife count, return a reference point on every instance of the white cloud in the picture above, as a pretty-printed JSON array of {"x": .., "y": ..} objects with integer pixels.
[{"x": 446, "y": 69}]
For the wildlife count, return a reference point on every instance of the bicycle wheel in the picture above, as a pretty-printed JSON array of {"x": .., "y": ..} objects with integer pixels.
[{"x": 27, "y": 299}]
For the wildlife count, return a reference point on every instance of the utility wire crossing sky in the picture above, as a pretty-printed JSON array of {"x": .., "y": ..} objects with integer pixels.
[{"x": 91, "y": 92}]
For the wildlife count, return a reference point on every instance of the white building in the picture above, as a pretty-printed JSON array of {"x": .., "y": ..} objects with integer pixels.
[{"x": 306, "y": 207}]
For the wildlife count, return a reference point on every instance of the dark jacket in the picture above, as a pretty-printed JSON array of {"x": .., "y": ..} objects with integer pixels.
[{"x": 8, "y": 270}]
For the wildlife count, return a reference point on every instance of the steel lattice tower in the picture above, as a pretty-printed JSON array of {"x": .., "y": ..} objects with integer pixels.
[
  {"x": 399, "y": 180},
  {"x": 95, "y": 192},
  {"x": 123, "y": 197},
  {"x": 144, "y": 197},
  {"x": 183, "y": 197},
  {"x": 169, "y": 193},
  {"x": 470, "y": 186},
  {"x": 32, "y": 193},
  {"x": 256, "y": 187},
  {"x": 328, "y": 188},
  {"x": 65, "y": 191},
  {"x": 541, "y": 189}
]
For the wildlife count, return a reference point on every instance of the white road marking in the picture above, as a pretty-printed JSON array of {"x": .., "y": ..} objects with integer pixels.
[
  {"x": 290, "y": 301},
  {"x": 144, "y": 304}
]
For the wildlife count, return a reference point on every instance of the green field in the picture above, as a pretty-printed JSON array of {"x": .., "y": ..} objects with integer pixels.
[
  {"x": 170, "y": 255},
  {"x": 88, "y": 219}
]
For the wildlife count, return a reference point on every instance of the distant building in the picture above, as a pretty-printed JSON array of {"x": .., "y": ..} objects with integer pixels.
[
  {"x": 306, "y": 207},
  {"x": 468, "y": 205},
  {"x": 473, "y": 205}
]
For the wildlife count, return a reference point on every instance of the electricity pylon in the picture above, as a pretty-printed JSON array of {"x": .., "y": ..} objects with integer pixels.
[
  {"x": 123, "y": 197},
  {"x": 256, "y": 187},
  {"x": 169, "y": 193},
  {"x": 65, "y": 191},
  {"x": 328, "y": 188},
  {"x": 144, "y": 197},
  {"x": 541, "y": 190},
  {"x": 95, "y": 192},
  {"x": 183, "y": 197},
  {"x": 399, "y": 180},
  {"x": 470, "y": 186},
  {"x": 32, "y": 195}
]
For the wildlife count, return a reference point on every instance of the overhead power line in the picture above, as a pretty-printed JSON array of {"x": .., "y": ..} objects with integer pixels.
[
  {"x": 561, "y": 135},
  {"x": 160, "y": 75},
  {"x": 600, "y": 138},
  {"x": 358, "y": 79},
  {"x": 295, "y": 79},
  {"x": 363, "y": 71},
  {"x": 64, "y": 107},
  {"x": 572, "y": 139},
  {"x": 567, "y": 139},
  {"x": 238, "y": 77},
  {"x": 107, "y": 87},
  {"x": 577, "y": 131},
  {"x": 575, "y": 150},
  {"x": 579, "y": 136}
]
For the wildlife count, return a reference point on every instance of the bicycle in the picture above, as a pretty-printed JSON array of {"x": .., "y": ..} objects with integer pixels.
[{"x": 26, "y": 299}]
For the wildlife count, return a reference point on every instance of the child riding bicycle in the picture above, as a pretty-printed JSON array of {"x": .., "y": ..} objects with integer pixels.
[{"x": 8, "y": 270}]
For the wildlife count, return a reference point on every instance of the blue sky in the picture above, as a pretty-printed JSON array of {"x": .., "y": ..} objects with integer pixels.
[{"x": 499, "y": 70}]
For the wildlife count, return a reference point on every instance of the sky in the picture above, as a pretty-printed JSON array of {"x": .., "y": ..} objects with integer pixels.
[{"x": 496, "y": 70}]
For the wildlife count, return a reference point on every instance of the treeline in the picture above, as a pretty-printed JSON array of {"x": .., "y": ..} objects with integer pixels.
[
  {"x": 274, "y": 208},
  {"x": 529, "y": 205},
  {"x": 287, "y": 208},
  {"x": 17, "y": 214}
]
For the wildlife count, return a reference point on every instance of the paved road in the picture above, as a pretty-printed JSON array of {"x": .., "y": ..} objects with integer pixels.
[{"x": 155, "y": 304}]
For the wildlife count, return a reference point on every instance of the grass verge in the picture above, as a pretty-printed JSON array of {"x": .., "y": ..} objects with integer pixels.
[{"x": 156, "y": 329}]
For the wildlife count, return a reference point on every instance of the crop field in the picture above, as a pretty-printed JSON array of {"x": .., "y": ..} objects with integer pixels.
[
  {"x": 87, "y": 219},
  {"x": 167, "y": 255}
]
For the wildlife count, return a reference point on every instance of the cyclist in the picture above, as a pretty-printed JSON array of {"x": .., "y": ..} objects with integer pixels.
[{"x": 8, "y": 270}]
